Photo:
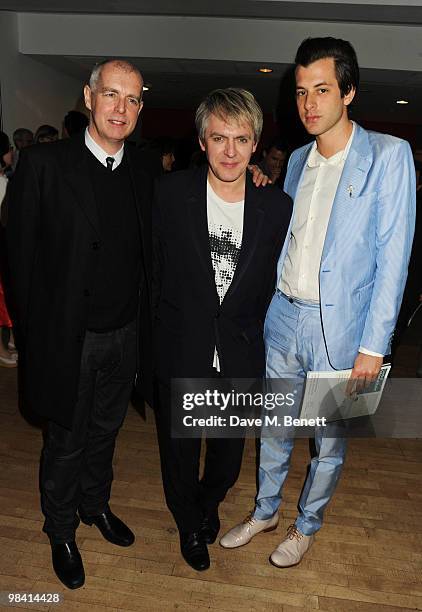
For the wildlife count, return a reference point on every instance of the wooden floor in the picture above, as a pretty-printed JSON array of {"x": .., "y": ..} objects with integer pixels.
[{"x": 367, "y": 557}]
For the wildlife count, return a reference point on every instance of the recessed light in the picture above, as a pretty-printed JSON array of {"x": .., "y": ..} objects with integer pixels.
[
  {"x": 265, "y": 69},
  {"x": 402, "y": 101},
  {"x": 146, "y": 87}
]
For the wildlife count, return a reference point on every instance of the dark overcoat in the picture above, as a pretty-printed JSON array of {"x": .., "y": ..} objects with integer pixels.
[{"x": 54, "y": 242}]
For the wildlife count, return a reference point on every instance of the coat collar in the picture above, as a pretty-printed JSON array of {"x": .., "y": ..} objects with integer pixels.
[{"x": 77, "y": 177}]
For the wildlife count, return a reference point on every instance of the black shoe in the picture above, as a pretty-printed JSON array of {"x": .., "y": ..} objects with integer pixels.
[
  {"x": 67, "y": 564},
  {"x": 113, "y": 529},
  {"x": 194, "y": 550},
  {"x": 210, "y": 526}
]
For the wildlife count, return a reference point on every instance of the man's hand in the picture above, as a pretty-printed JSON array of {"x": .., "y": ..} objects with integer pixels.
[
  {"x": 365, "y": 370},
  {"x": 259, "y": 178}
]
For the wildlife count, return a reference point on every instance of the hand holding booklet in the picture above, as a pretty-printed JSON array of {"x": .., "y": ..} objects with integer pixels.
[{"x": 325, "y": 395}]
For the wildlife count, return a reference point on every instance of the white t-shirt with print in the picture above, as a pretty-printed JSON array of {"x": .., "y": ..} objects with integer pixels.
[{"x": 225, "y": 229}]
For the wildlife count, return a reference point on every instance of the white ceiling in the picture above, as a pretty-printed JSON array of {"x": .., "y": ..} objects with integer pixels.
[
  {"x": 218, "y": 44},
  {"x": 377, "y": 11}
]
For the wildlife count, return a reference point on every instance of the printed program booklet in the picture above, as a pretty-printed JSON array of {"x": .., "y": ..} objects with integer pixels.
[{"x": 325, "y": 395}]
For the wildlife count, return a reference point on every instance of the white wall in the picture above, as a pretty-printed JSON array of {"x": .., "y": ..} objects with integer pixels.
[
  {"x": 32, "y": 93},
  {"x": 256, "y": 40}
]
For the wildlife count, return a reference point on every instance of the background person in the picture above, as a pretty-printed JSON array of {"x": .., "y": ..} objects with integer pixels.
[
  {"x": 46, "y": 133},
  {"x": 8, "y": 358},
  {"x": 74, "y": 123},
  {"x": 22, "y": 138},
  {"x": 274, "y": 161}
]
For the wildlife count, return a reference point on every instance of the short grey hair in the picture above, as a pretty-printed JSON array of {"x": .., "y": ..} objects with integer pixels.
[
  {"x": 230, "y": 103},
  {"x": 123, "y": 64}
]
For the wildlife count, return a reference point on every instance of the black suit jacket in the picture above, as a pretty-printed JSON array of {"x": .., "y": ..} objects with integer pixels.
[
  {"x": 54, "y": 241},
  {"x": 189, "y": 320}
]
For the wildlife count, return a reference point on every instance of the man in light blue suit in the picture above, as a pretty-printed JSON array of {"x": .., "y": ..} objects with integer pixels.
[{"x": 341, "y": 275}]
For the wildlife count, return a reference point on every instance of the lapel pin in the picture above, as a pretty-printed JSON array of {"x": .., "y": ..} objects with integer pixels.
[{"x": 350, "y": 190}]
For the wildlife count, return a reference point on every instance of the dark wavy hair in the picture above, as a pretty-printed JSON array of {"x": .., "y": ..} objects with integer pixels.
[{"x": 343, "y": 54}]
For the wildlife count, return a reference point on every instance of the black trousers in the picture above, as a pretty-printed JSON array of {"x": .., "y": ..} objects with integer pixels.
[
  {"x": 188, "y": 497},
  {"x": 76, "y": 465}
]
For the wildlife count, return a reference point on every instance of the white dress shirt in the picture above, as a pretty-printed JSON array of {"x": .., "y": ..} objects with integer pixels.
[
  {"x": 313, "y": 204},
  {"x": 102, "y": 155},
  {"x": 314, "y": 201}
]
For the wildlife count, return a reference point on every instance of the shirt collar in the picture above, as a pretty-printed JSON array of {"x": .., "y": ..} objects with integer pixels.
[
  {"x": 315, "y": 158},
  {"x": 100, "y": 154}
]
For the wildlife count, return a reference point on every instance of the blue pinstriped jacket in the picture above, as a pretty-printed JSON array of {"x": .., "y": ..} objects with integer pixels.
[{"x": 367, "y": 246}]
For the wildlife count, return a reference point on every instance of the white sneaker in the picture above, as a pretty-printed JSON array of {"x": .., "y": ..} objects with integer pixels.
[
  {"x": 244, "y": 532},
  {"x": 8, "y": 362},
  {"x": 292, "y": 549}
]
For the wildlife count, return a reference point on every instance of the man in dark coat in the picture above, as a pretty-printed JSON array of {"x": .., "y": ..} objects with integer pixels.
[
  {"x": 79, "y": 241},
  {"x": 218, "y": 238}
]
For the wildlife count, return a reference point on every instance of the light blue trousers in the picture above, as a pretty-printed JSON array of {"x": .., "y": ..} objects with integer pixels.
[{"x": 294, "y": 345}]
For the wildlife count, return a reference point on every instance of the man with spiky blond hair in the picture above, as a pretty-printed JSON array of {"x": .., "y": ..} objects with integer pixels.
[{"x": 218, "y": 240}]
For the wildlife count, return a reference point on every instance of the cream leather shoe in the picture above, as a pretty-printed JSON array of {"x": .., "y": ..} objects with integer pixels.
[
  {"x": 9, "y": 361},
  {"x": 244, "y": 532},
  {"x": 292, "y": 549}
]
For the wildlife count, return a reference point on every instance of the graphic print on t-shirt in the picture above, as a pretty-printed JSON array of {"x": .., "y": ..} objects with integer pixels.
[
  {"x": 225, "y": 246},
  {"x": 225, "y": 229}
]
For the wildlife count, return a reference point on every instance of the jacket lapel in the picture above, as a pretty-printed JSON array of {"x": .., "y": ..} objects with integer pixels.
[
  {"x": 291, "y": 185},
  {"x": 296, "y": 172},
  {"x": 136, "y": 185},
  {"x": 136, "y": 178},
  {"x": 77, "y": 177},
  {"x": 252, "y": 223},
  {"x": 351, "y": 184},
  {"x": 197, "y": 214}
]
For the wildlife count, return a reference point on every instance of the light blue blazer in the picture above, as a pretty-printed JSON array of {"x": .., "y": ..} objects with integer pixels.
[{"x": 367, "y": 246}]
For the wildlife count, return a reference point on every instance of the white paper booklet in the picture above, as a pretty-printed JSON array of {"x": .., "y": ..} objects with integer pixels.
[{"x": 325, "y": 395}]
